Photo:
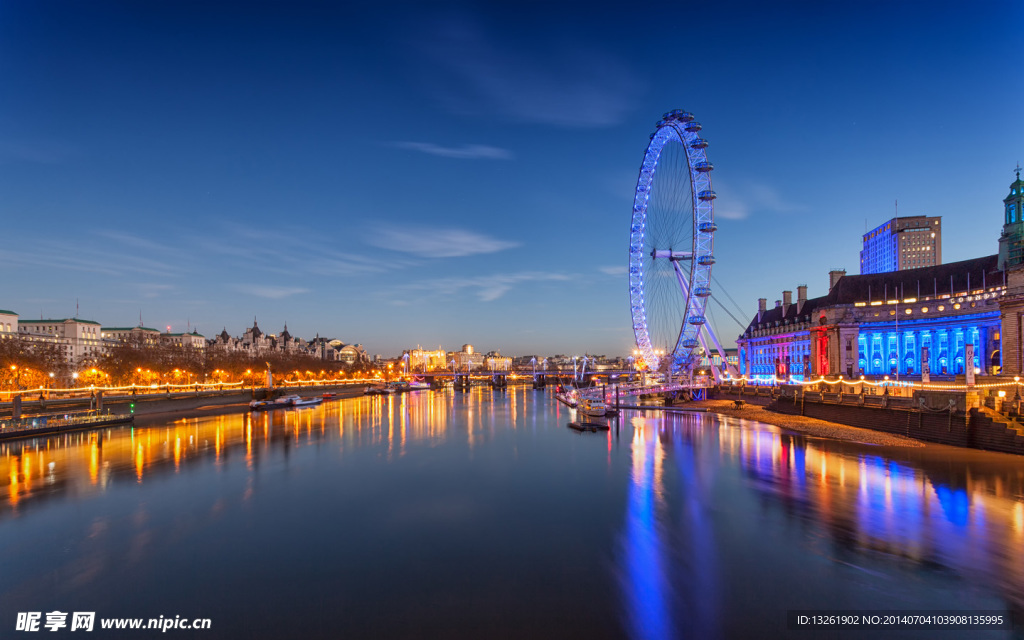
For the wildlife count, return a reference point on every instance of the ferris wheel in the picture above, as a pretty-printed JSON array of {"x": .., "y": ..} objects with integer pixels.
[{"x": 671, "y": 247}]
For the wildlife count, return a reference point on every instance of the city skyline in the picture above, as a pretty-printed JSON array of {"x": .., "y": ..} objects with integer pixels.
[{"x": 464, "y": 173}]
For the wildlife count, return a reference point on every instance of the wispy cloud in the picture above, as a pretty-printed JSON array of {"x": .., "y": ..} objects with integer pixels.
[
  {"x": 737, "y": 201},
  {"x": 273, "y": 252},
  {"x": 428, "y": 242},
  {"x": 550, "y": 81},
  {"x": 274, "y": 293},
  {"x": 486, "y": 288},
  {"x": 620, "y": 270},
  {"x": 89, "y": 257},
  {"x": 465, "y": 152}
]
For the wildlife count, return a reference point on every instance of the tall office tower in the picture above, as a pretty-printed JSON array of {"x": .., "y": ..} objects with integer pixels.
[{"x": 902, "y": 243}]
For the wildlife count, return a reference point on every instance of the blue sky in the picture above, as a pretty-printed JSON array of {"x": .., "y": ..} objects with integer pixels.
[{"x": 436, "y": 174}]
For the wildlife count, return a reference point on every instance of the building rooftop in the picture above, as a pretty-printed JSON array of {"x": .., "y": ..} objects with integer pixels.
[
  {"x": 940, "y": 279},
  {"x": 59, "y": 320}
]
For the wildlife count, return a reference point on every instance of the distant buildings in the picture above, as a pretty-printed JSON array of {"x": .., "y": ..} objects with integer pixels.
[
  {"x": 255, "y": 343},
  {"x": 83, "y": 342},
  {"x": 902, "y": 243}
]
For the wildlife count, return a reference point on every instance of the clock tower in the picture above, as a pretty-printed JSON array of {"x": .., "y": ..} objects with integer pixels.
[{"x": 1011, "y": 242}]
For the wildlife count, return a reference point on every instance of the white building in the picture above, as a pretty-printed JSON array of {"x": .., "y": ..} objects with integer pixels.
[
  {"x": 8, "y": 324},
  {"x": 80, "y": 340}
]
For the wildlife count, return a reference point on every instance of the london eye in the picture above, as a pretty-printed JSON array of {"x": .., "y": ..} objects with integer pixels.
[{"x": 671, "y": 246}]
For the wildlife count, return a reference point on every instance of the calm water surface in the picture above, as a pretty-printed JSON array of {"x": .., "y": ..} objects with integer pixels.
[{"x": 481, "y": 515}]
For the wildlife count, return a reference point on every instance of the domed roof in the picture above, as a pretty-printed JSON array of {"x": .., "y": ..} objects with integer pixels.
[{"x": 256, "y": 333}]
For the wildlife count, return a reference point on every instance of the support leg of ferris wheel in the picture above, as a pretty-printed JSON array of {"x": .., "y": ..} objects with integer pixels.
[{"x": 700, "y": 334}]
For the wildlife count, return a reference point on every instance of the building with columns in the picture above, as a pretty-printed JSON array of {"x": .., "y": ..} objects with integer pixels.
[{"x": 897, "y": 323}]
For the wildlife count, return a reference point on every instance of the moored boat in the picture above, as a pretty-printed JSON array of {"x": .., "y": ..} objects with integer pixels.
[
  {"x": 591, "y": 407},
  {"x": 283, "y": 402},
  {"x": 568, "y": 397}
]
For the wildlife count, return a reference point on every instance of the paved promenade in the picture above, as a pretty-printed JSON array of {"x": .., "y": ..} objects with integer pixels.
[{"x": 809, "y": 426}]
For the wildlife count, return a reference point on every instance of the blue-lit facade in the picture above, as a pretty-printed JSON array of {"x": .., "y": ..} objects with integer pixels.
[
  {"x": 902, "y": 243},
  {"x": 883, "y": 324},
  {"x": 884, "y": 349}
]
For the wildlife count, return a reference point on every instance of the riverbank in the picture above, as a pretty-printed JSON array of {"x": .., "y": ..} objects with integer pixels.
[{"x": 805, "y": 425}]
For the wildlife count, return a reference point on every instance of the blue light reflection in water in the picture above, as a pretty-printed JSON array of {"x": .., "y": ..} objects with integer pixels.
[{"x": 648, "y": 585}]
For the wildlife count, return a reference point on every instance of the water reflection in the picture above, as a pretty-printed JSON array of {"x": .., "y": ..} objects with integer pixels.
[
  {"x": 83, "y": 463},
  {"x": 475, "y": 509},
  {"x": 884, "y": 512}
]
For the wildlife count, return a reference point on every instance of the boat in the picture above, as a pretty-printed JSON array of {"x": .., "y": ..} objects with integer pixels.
[
  {"x": 264, "y": 405},
  {"x": 284, "y": 402},
  {"x": 568, "y": 397},
  {"x": 377, "y": 390},
  {"x": 591, "y": 407}
]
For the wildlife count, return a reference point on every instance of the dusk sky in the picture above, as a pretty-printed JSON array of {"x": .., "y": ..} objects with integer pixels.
[{"x": 437, "y": 174}]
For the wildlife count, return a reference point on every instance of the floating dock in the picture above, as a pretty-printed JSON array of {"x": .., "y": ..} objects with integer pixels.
[{"x": 588, "y": 426}]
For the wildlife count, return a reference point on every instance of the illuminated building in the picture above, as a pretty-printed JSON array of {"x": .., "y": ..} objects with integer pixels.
[
  {"x": 1011, "y": 240},
  {"x": 494, "y": 361},
  {"x": 423, "y": 360},
  {"x": 887, "y": 323},
  {"x": 467, "y": 359},
  {"x": 902, "y": 243},
  {"x": 1012, "y": 261}
]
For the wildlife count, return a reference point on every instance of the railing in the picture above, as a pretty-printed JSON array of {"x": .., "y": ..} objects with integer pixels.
[{"x": 642, "y": 389}]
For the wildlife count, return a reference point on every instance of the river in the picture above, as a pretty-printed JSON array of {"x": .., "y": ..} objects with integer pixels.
[{"x": 481, "y": 515}]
